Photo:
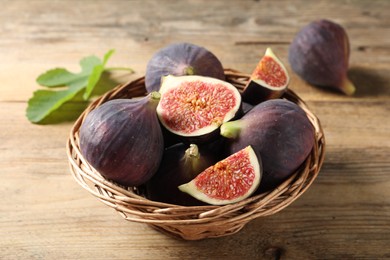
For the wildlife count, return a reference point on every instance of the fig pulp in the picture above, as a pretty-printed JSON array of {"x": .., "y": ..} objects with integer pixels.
[
  {"x": 279, "y": 131},
  {"x": 194, "y": 107},
  {"x": 180, "y": 164},
  {"x": 319, "y": 54},
  {"x": 269, "y": 80},
  {"x": 122, "y": 139},
  {"x": 229, "y": 180},
  {"x": 181, "y": 59}
]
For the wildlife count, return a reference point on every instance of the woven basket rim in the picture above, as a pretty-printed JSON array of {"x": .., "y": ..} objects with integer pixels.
[{"x": 193, "y": 222}]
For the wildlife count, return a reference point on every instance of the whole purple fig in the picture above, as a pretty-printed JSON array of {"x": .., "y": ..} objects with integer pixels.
[
  {"x": 122, "y": 139},
  {"x": 319, "y": 54},
  {"x": 181, "y": 59},
  {"x": 279, "y": 132}
]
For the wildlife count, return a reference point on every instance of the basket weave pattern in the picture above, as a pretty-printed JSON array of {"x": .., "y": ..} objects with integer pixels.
[{"x": 195, "y": 222}]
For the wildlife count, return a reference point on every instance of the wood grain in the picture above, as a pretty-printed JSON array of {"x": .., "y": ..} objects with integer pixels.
[{"x": 44, "y": 214}]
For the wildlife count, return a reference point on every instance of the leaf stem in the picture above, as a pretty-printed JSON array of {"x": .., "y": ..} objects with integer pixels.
[{"x": 120, "y": 68}]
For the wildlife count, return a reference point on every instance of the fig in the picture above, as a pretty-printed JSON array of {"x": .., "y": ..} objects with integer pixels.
[
  {"x": 246, "y": 107},
  {"x": 194, "y": 107},
  {"x": 269, "y": 80},
  {"x": 319, "y": 54},
  {"x": 122, "y": 139},
  {"x": 181, "y": 59},
  {"x": 180, "y": 164},
  {"x": 279, "y": 131},
  {"x": 228, "y": 181}
]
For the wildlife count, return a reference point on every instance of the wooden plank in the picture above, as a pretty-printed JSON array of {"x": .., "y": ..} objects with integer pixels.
[
  {"x": 62, "y": 37},
  {"x": 45, "y": 214}
]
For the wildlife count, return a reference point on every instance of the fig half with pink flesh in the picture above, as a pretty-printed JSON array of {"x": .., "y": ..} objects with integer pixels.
[
  {"x": 269, "y": 80},
  {"x": 194, "y": 107},
  {"x": 230, "y": 180}
]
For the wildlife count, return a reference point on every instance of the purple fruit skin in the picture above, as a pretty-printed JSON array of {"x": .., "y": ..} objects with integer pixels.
[
  {"x": 281, "y": 135},
  {"x": 246, "y": 107},
  {"x": 123, "y": 141},
  {"x": 175, "y": 58},
  {"x": 175, "y": 170},
  {"x": 319, "y": 53}
]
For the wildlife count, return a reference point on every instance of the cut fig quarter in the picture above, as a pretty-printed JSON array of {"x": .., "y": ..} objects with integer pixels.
[
  {"x": 230, "y": 180},
  {"x": 196, "y": 106},
  {"x": 269, "y": 80}
]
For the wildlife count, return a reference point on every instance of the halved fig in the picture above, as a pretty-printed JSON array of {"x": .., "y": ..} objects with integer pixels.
[
  {"x": 195, "y": 106},
  {"x": 269, "y": 80},
  {"x": 181, "y": 59},
  {"x": 229, "y": 180},
  {"x": 122, "y": 139}
]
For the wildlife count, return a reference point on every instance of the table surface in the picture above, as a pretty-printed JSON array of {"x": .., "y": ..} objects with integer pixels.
[{"x": 45, "y": 214}]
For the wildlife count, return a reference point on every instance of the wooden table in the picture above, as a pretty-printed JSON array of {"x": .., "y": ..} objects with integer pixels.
[{"x": 45, "y": 214}]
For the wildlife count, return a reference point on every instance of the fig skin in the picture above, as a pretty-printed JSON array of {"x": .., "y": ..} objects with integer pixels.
[
  {"x": 246, "y": 107},
  {"x": 181, "y": 59},
  {"x": 122, "y": 139},
  {"x": 279, "y": 132},
  {"x": 180, "y": 164},
  {"x": 319, "y": 54}
]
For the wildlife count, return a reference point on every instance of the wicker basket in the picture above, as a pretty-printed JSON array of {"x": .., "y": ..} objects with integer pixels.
[{"x": 195, "y": 222}]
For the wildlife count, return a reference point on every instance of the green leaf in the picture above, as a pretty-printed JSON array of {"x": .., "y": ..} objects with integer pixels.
[
  {"x": 88, "y": 64},
  {"x": 96, "y": 74},
  {"x": 60, "y": 77},
  {"x": 45, "y": 103},
  {"x": 55, "y": 78},
  {"x": 68, "y": 111}
]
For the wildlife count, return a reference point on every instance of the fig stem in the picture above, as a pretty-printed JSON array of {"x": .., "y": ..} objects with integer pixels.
[
  {"x": 189, "y": 70},
  {"x": 154, "y": 99},
  {"x": 348, "y": 87},
  {"x": 192, "y": 151},
  {"x": 231, "y": 129},
  {"x": 155, "y": 95}
]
